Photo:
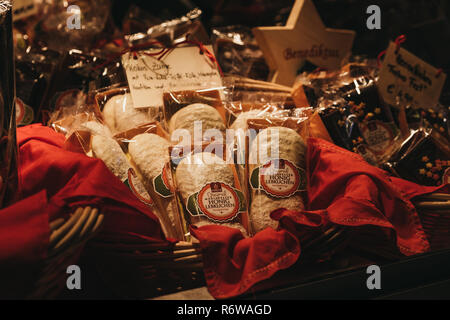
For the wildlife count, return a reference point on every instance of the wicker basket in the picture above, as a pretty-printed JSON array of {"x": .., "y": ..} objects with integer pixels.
[
  {"x": 67, "y": 239},
  {"x": 136, "y": 270},
  {"x": 146, "y": 271}
]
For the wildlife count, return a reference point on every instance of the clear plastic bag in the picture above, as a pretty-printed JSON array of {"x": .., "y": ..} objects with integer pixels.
[
  {"x": 171, "y": 32},
  {"x": 148, "y": 148},
  {"x": 424, "y": 158},
  {"x": 238, "y": 52},
  {"x": 118, "y": 111},
  {"x": 276, "y": 170},
  {"x": 208, "y": 187},
  {"x": 195, "y": 115}
]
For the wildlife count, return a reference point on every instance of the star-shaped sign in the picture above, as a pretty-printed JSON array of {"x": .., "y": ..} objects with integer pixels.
[{"x": 304, "y": 37}]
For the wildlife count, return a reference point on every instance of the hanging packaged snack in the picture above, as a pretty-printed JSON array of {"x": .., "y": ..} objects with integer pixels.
[
  {"x": 117, "y": 109},
  {"x": 423, "y": 158},
  {"x": 238, "y": 52},
  {"x": 276, "y": 168},
  {"x": 208, "y": 187},
  {"x": 8, "y": 171},
  {"x": 79, "y": 74}
]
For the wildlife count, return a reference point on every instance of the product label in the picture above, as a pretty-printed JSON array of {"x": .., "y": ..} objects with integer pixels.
[
  {"x": 378, "y": 136},
  {"x": 218, "y": 201},
  {"x": 162, "y": 184},
  {"x": 407, "y": 80},
  {"x": 182, "y": 68},
  {"x": 279, "y": 178},
  {"x": 24, "y": 113},
  {"x": 137, "y": 187}
]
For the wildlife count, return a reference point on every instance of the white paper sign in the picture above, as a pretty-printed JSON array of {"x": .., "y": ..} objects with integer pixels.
[
  {"x": 23, "y": 9},
  {"x": 181, "y": 69},
  {"x": 407, "y": 80}
]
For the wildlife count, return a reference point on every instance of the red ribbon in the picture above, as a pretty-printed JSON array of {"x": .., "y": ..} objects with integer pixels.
[
  {"x": 163, "y": 52},
  {"x": 400, "y": 39}
]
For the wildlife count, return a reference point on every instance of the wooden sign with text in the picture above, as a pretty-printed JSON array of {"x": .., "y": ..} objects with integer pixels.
[
  {"x": 407, "y": 80},
  {"x": 304, "y": 37}
]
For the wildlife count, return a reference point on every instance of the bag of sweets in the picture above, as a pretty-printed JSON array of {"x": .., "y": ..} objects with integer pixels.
[
  {"x": 208, "y": 187},
  {"x": 276, "y": 167}
]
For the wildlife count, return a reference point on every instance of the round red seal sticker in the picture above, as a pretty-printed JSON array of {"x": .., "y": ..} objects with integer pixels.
[
  {"x": 218, "y": 201},
  {"x": 280, "y": 178}
]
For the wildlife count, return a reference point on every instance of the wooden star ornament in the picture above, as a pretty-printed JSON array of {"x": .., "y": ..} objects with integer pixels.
[{"x": 304, "y": 37}]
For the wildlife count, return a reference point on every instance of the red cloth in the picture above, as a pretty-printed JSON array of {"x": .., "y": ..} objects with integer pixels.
[
  {"x": 53, "y": 182},
  {"x": 342, "y": 189}
]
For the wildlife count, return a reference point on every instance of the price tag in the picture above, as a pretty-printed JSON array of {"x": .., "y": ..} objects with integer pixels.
[
  {"x": 23, "y": 9},
  {"x": 181, "y": 69},
  {"x": 407, "y": 80}
]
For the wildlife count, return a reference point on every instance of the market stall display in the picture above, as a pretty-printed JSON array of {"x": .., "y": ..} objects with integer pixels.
[{"x": 211, "y": 160}]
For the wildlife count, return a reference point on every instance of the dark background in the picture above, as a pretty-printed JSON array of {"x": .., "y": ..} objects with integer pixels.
[{"x": 426, "y": 23}]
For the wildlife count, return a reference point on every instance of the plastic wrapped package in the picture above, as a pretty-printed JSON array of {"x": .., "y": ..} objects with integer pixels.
[
  {"x": 424, "y": 158},
  {"x": 326, "y": 83},
  {"x": 118, "y": 111},
  {"x": 148, "y": 148},
  {"x": 238, "y": 52},
  {"x": 77, "y": 75},
  {"x": 343, "y": 127},
  {"x": 85, "y": 133},
  {"x": 197, "y": 115},
  {"x": 435, "y": 118},
  {"x": 174, "y": 31},
  {"x": 133, "y": 161},
  {"x": 376, "y": 122},
  {"x": 34, "y": 73},
  {"x": 64, "y": 27},
  {"x": 208, "y": 188},
  {"x": 276, "y": 168}
]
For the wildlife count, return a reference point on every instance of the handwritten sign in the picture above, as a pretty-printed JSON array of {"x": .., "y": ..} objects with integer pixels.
[
  {"x": 303, "y": 38},
  {"x": 23, "y": 9},
  {"x": 407, "y": 80},
  {"x": 182, "y": 69}
]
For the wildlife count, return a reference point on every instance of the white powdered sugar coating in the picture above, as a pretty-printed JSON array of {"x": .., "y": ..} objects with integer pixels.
[
  {"x": 195, "y": 171},
  {"x": 97, "y": 128},
  {"x": 291, "y": 147},
  {"x": 241, "y": 119},
  {"x": 109, "y": 150},
  {"x": 121, "y": 115},
  {"x": 150, "y": 153},
  {"x": 184, "y": 118}
]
